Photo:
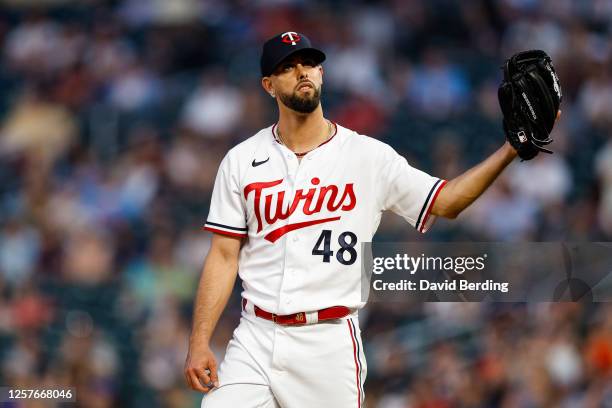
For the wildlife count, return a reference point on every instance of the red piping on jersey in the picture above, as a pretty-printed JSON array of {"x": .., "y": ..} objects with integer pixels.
[
  {"x": 231, "y": 234},
  {"x": 305, "y": 153},
  {"x": 433, "y": 200},
  {"x": 356, "y": 365},
  {"x": 272, "y": 236}
]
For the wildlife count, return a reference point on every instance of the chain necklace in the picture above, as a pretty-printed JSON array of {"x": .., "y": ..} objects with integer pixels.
[{"x": 329, "y": 136}]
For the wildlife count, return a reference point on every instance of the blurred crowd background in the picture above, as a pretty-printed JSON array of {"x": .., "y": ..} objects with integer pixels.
[{"x": 114, "y": 116}]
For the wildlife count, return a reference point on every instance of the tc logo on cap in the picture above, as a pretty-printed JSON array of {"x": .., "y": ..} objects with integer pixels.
[{"x": 291, "y": 37}]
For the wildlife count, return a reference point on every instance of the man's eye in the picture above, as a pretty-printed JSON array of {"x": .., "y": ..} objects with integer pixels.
[{"x": 287, "y": 67}]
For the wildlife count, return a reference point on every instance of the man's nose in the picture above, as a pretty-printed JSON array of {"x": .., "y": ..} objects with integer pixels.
[{"x": 301, "y": 71}]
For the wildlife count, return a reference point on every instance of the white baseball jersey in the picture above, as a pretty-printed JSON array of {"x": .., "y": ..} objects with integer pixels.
[{"x": 304, "y": 221}]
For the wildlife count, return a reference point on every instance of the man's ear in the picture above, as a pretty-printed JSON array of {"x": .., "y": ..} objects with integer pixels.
[
  {"x": 321, "y": 71},
  {"x": 266, "y": 83}
]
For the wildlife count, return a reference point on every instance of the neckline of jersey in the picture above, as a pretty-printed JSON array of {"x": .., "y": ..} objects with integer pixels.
[{"x": 314, "y": 148}]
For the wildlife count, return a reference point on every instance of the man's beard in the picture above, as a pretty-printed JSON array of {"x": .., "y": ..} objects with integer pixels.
[{"x": 301, "y": 104}]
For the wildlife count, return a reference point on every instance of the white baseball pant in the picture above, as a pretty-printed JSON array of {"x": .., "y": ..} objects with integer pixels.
[{"x": 269, "y": 365}]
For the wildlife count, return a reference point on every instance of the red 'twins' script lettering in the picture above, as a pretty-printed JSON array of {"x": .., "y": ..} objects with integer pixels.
[{"x": 310, "y": 202}]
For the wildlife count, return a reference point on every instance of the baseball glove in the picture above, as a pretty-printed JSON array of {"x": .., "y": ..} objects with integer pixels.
[{"x": 529, "y": 97}]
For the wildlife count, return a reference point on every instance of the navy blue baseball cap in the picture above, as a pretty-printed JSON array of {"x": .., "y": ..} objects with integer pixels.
[{"x": 276, "y": 49}]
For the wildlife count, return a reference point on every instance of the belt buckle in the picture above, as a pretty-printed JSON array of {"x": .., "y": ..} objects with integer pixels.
[{"x": 274, "y": 316}]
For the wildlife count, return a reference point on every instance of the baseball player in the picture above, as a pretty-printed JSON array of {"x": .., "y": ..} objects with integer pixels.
[{"x": 289, "y": 209}]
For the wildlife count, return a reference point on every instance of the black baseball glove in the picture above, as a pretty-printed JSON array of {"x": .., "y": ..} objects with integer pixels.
[{"x": 529, "y": 96}]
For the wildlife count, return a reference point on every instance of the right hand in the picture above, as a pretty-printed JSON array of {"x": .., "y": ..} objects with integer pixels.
[{"x": 201, "y": 367}]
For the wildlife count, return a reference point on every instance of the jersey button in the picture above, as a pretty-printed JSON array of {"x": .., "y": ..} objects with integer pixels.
[{"x": 295, "y": 239}]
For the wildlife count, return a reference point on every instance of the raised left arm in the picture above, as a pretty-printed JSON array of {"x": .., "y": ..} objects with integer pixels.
[{"x": 463, "y": 190}]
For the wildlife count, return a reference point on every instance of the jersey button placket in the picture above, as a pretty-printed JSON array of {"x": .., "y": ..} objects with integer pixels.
[
  {"x": 284, "y": 300},
  {"x": 290, "y": 276}
]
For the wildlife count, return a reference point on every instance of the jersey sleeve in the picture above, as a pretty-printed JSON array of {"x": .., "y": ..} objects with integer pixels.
[
  {"x": 227, "y": 212},
  {"x": 409, "y": 192}
]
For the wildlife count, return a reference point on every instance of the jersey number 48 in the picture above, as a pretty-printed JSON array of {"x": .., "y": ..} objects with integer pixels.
[{"x": 346, "y": 255}]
